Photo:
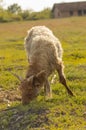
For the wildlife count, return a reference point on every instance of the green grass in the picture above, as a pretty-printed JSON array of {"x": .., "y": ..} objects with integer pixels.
[{"x": 61, "y": 112}]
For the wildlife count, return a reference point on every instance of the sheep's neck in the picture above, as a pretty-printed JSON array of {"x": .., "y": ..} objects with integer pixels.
[{"x": 33, "y": 69}]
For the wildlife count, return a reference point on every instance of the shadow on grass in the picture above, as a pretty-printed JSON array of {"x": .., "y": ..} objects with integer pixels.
[{"x": 21, "y": 117}]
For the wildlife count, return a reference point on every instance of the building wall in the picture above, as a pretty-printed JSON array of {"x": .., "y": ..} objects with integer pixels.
[
  {"x": 60, "y": 14},
  {"x": 69, "y": 13},
  {"x": 71, "y": 10},
  {"x": 56, "y": 13}
]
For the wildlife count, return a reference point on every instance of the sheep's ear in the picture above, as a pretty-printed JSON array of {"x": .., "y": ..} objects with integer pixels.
[
  {"x": 31, "y": 79},
  {"x": 39, "y": 79}
]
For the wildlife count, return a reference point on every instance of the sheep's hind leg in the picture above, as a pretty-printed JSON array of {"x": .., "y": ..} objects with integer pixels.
[
  {"x": 59, "y": 68},
  {"x": 47, "y": 90}
]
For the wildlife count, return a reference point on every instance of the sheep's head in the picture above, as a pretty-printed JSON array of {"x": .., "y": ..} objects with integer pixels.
[{"x": 31, "y": 86}]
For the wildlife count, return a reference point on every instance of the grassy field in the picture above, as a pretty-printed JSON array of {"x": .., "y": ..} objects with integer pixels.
[{"x": 61, "y": 112}]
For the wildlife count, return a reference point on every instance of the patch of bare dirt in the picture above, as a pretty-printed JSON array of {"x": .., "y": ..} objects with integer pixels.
[{"x": 7, "y": 96}]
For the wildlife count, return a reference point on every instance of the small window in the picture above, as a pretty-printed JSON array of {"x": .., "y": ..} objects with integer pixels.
[
  {"x": 84, "y": 11},
  {"x": 79, "y": 12},
  {"x": 71, "y": 13}
]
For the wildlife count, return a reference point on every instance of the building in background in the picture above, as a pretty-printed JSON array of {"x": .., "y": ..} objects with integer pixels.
[{"x": 69, "y": 9}]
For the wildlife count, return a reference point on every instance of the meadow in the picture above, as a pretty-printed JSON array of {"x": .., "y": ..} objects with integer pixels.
[{"x": 62, "y": 112}]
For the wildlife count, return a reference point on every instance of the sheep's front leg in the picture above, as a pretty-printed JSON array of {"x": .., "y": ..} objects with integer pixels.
[
  {"x": 62, "y": 78},
  {"x": 47, "y": 90}
]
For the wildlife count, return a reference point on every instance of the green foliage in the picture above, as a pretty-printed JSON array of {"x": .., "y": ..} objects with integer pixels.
[
  {"x": 28, "y": 15},
  {"x": 6, "y": 16},
  {"x": 15, "y": 13},
  {"x": 25, "y": 15},
  {"x": 45, "y": 14},
  {"x": 1, "y": 4},
  {"x": 15, "y": 8}
]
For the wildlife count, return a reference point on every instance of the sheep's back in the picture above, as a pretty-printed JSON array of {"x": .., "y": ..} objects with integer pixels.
[{"x": 41, "y": 37}]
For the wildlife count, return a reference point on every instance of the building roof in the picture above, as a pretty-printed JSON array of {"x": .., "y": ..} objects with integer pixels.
[{"x": 70, "y": 6}]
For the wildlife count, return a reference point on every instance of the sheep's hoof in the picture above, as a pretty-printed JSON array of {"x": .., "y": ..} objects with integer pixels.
[{"x": 70, "y": 93}]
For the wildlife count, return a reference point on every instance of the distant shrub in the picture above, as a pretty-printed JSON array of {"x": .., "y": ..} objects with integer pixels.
[
  {"x": 4, "y": 16},
  {"x": 25, "y": 15},
  {"x": 45, "y": 14},
  {"x": 14, "y": 8},
  {"x": 16, "y": 18},
  {"x": 10, "y": 14}
]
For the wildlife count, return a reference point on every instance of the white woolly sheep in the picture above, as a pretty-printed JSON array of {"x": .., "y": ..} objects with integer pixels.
[{"x": 44, "y": 53}]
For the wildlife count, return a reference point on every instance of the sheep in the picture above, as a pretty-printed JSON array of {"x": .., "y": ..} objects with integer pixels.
[{"x": 44, "y": 54}]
